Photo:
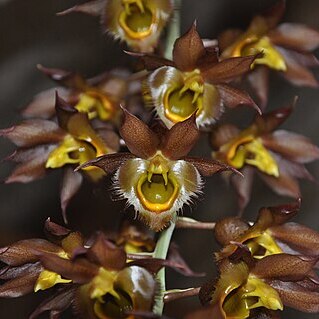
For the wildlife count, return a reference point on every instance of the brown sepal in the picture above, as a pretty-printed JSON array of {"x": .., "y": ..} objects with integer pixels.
[
  {"x": 180, "y": 139},
  {"x": 139, "y": 138},
  {"x": 188, "y": 49},
  {"x": 93, "y": 8}
]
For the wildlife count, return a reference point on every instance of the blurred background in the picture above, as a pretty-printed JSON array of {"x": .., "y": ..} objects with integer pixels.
[{"x": 31, "y": 33}]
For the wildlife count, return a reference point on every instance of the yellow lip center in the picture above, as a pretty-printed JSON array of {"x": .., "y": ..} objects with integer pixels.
[
  {"x": 157, "y": 188},
  {"x": 136, "y": 20},
  {"x": 181, "y": 102},
  {"x": 95, "y": 104},
  {"x": 254, "y": 45},
  {"x": 250, "y": 150}
]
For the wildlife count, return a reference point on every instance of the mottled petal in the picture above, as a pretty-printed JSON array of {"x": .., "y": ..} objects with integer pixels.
[
  {"x": 152, "y": 62},
  {"x": 139, "y": 138},
  {"x": 32, "y": 165},
  {"x": 33, "y": 132},
  {"x": 43, "y": 104},
  {"x": 208, "y": 167},
  {"x": 291, "y": 145},
  {"x": 284, "y": 267},
  {"x": 79, "y": 271},
  {"x": 228, "y": 69},
  {"x": 243, "y": 186},
  {"x": 268, "y": 122},
  {"x": 180, "y": 139},
  {"x": 259, "y": 81},
  {"x": 71, "y": 183},
  {"x": 19, "y": 286},
  {"x": 188, "y": 49},
  {"x": 57, "y": 303},
  {"x": 300, "y": 238},
  {"x": 296, "y": 296},
  {"x": 283, "y": 185},
  {"x": 296, "y": 73},
  {"x": 94, "y": 8},
  {"x": 295, "y": 36},
  {"x": 105, "y": 253},
  {"x": 66, "y": 78},
  {"x": 233, "y": 97},
  {"x": 109, "y": 163}
]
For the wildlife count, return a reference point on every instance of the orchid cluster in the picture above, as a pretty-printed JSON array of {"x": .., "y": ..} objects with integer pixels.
[{"x": 139, "y": 126}]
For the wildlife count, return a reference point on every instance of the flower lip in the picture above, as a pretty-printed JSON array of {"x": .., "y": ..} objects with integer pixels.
[{"x": 137, "y": 20}]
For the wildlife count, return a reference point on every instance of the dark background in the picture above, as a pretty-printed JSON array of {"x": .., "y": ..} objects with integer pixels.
[{"x": 31, "y": 33}]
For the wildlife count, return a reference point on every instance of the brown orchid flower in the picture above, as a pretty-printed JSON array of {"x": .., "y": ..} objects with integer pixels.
[
  {"x": 99, "y": 97},
  {"x": 44, "y": 145},
  {"x": 286, "y": 49},
  {"x": 278, "y": 156},
  {"x": 195, "y": 80},
  {"x": 272, "y": 233},
  {"x": 156, "y": 177},
  {"x": 96, "y": 279},
  {"x": 137, "y": 22},
  {"x": 247, "y": 288}
]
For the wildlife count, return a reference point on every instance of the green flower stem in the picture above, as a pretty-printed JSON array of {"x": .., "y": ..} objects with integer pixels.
[
  {"x": 174, "y": 30},
  {"x": 160, "y": 251}
]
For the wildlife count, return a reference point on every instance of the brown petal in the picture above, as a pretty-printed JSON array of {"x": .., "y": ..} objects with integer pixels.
[
  {"x": 293, "y": 146},
  {"x": 227, "y": 38},
  {"x": 110, "y": 138},
  {"x": 20, "y": 286},
  {"x": 56, "y": 304},
  {"x": 71, "y": 183},
  {"x": 139, "y": 138},
  {"x": 274, "y": 14},
  {"x": 223, "y": 134},
  {"x": 79, "y": 271},
  {"x": 296, "y": 73},
  {"x": 42, "y": 105},
  {"x": 66, "y": 78},
  {"x": 151, "y": 62},
  {"x": 32, "y": 164},
  {"x": 208, "y": 167},
  {"x": 188, "y": 49},
  {"x": 284, "y": 267},
  {"x": 55, "y": 230},
  {"x": 229, "y": 69},
  {"x": 296, "y": 296},
  {"x": 180, "y": 139},
  {"x": 243, "y": 187},
  {"x": 209, "y": 58},
  {"x": 298, "y": 237},
  {"x": 106, "y": 254},
  {"x": 64, "y": 111},
  {"x": 229, "y": 229},
  {"x": 268, "y": 122},
  {"x": 283, "y": 185},
  {"x": 233, "y": 97},
  {"x": 93, "y": 8},
  {"x": 295, "y": 36},
  {"x": 25, "y": 251},
  {"x": 109, "y": 163},
  {"x": 259, "y": 81},
  {"x": 33, "y": 132}
]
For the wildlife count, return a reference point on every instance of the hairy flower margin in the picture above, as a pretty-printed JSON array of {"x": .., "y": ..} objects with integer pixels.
[
  {"x": 277, "y": 156},
  {"x": 137, "y": 22},
  {"x": 262, "y": 267},
  {"x": 44, "y": 145},
  {"x": 287, "y": 48},
  {"x": 195, "y": 80},
  {"x": 156, "y": 177}
]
